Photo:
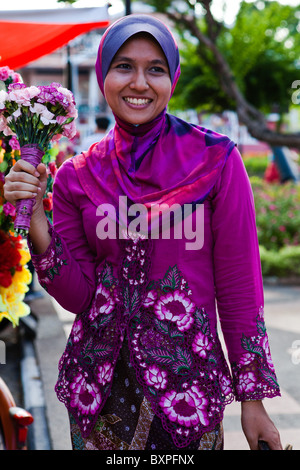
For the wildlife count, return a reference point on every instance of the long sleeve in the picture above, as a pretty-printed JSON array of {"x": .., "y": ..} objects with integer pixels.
[
  {"x": 238, "y": 283},
  {"x": 67, "y": 268}
]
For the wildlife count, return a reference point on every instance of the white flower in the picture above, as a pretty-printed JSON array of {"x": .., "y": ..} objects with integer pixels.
[{"x": 17, "y": 113}]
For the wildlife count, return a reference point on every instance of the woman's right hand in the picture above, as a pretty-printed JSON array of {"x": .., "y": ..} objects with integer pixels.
[{"x": 25, "y": 182}]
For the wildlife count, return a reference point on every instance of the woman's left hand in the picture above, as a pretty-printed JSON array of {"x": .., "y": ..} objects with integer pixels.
[{"x": 258, "y": 426}]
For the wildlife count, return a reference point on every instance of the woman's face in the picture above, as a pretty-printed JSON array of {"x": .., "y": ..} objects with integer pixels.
[{"x": 138, "y": 86}]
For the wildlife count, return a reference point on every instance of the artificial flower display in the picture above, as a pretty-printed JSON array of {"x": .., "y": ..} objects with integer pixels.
[{"x": 14, "y": 277}]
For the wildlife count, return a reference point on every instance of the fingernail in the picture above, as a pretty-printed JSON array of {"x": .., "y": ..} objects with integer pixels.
[{"x": 36, "y": 173}]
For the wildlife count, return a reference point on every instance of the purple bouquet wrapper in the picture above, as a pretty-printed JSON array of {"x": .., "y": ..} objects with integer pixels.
[{"x": 31, "y": 153}]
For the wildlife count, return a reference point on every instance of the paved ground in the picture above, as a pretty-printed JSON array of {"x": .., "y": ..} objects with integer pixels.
[{"x": 282, "y": 313}]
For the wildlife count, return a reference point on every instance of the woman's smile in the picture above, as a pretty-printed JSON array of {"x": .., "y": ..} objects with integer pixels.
[
  {"x": 138, "y": 85},
  {"x": 137, "y": 101}
]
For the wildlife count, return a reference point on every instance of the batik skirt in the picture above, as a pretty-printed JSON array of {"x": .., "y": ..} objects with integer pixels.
[{"x": 127, "y": 421}]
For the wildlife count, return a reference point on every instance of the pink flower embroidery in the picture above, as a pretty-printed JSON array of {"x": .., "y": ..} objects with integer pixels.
[
  {"x": 105, "y": 372},
  {"x": 246, "y": 359},
  {"x": 155, "y": 377},
  {"x": 225, "y": 384},
  {"x": 77, "y": 331},
  {"x": 150, "y": 299},
  {"x": 177, "y": 308},
  {"x": 201, "y": 344},
  {"x": 85, "y": 396},
  {"x": 246, "y": 382},
  {"x": 187, "y": 408},
  {"x": 104, "y": 301}
]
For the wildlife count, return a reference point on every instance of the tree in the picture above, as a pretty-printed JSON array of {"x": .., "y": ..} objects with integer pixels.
[
  {"x": 237, "y": 62},
  {"x": 236, "y": 66}
]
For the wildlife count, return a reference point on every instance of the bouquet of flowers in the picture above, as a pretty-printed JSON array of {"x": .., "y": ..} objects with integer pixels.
[{"x": 35, "y": 115}]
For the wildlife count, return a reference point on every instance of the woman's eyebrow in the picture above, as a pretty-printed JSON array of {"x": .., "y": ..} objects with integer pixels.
[{"x": 120, "y": 58}]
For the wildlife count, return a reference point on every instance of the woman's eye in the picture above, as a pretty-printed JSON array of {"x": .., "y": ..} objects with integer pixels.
[
  {"x": 123, "y": 66},
  {"x": 158, "y": 70}
]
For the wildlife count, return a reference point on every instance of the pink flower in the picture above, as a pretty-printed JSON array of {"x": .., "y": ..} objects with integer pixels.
[
  {"x": 246, "y": 359},
  {"x": 246, "y": 382},
  {"x": 104, "y": 303},
  {"x": 14, "y": 143},
  {"x": 225, "y": 384},
  {"x": 155, "y": 377},
  {"x": 4, "y": 125},
  {"x": 77, "y": 331},
  {"x": 69, "y": 130},
  {"x": 23, "y": 96},
  {"x": 177, "y": 308},
  {"x": 201, "y": 344},
  {"x": 52, "y": 168},
  {"x": 105, "y": 372},
  {"x": 150, "y": 298},
  {"x": 4, "y": 73},
  {"x": 85, "y": 396},
  {"x": 9, "y": 209},
  {"x": 186, "y": 408}
]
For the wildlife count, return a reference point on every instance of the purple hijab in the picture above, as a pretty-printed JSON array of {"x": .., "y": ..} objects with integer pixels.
[{"x": 166, "y": 160}]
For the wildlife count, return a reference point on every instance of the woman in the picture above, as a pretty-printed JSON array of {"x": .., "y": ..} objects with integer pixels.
[{"x": 143, "y": 367}]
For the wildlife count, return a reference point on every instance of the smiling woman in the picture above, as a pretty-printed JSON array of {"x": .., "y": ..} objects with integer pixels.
[{"x": 144, "y": 368}]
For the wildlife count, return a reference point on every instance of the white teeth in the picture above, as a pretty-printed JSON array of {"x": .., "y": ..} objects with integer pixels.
[{"x": 137, "y": 101}]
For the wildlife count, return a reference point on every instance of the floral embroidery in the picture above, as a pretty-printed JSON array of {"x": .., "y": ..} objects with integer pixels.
[
  {"x": 105, "y": 373},
  {"x": 201, "y": 344},
  {"x": 178, "y": 359},
  {"x": 87, "y": 365},
  {"x": 187, "y": 408},
  {"x": 156, "y": 377},
  {"x": 176, "y": 308},
  {"x": 254, "y": 375},
  {"x": 49, "y": 264},
  {"x": 176, "y": 353}
]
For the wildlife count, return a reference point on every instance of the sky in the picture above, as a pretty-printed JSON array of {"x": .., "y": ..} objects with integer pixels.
[{"x": 37, "y": 4}]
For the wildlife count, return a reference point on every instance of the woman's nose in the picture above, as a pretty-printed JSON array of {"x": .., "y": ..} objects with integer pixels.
[{"x": 139, "y": 81}]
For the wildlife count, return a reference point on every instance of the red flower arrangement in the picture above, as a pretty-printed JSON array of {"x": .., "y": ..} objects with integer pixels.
[{"x": 10, "y": 257}]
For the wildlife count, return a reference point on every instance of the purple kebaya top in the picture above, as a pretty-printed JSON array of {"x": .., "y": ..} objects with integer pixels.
[{"x": 164, "y": 299}]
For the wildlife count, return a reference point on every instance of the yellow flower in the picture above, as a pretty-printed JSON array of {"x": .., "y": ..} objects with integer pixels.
[
  {"x": 25, "y": 256},
  {"x": 12, "y": 306},
  {"x": 21, "y": 279}
]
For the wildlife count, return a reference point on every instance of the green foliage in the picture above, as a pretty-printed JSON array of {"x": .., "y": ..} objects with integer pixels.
[
  {"x": 262, "y": 49},
  {"x": 278, "y": 222},
  {"x": 277, "y": 214},
  {"x": 282, "y": 263},
  {"x": 256, "y": 166},
  {"x": 198, "y": 88}
]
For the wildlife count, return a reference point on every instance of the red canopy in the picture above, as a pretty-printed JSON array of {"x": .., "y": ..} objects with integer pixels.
[{"x": 28, "y": 35}]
